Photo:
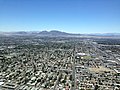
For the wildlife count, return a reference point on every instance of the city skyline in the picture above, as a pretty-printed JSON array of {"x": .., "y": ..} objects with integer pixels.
[{"x": 72, "y": 16}]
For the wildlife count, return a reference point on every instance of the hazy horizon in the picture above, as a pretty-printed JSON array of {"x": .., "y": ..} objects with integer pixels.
[
  {"x": 61, "y": 31},
  {"x": 71, "y": 16}
]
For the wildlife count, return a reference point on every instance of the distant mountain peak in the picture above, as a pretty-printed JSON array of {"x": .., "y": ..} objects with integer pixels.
[{"x": 53, "y": 32}]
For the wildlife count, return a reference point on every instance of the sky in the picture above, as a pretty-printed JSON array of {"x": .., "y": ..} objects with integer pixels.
[{"x": 72, "y": 16}]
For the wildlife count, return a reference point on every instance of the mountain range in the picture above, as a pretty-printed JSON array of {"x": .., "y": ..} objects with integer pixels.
[{"x": 56, "y": 33}]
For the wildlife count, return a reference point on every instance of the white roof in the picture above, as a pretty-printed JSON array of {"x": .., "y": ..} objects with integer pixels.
[
  {"x": 1, "y": 83},
  {"x": 33, "y": 78},
  {"x": 82, "y": 54},
  {"x": 112, "y": 61}
]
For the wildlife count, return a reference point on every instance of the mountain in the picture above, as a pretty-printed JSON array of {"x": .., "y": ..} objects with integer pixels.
[
  {"x": 20, "y": 32},
  {"x": 53, "y": 33},
  {"x": 105, "y": 34},
  {"x": 56, "y": 33}
]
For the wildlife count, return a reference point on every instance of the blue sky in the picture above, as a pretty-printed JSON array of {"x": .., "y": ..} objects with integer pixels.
[{"x": 75, "y": 16}]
